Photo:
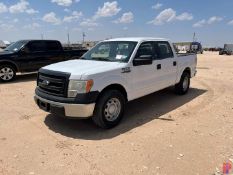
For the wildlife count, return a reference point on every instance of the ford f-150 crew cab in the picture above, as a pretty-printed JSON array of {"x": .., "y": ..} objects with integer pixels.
[
  {"x": 31, "y": 55},
  {"x": 112, "y": 73}
]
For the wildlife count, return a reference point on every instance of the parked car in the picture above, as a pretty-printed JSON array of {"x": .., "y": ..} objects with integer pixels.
[
  {"x": 112, "y": 73},
  {"x": 31, "y": 55},
  {"x": 227, "y": 50}
]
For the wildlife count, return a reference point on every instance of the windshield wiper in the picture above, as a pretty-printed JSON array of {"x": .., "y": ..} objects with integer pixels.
[{"x": 101, "y": 59}]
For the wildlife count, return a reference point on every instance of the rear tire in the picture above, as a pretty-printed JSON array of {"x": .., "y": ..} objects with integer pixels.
[
  {"x": 109, "y": 109},
  {"x": 183, "y": 86},
  {"x": 7, "y": 73}
]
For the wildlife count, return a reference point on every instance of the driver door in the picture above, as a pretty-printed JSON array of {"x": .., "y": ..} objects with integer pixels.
[
  {"x": 34, "y": 56},
  {"x": 144, "y": 77}
]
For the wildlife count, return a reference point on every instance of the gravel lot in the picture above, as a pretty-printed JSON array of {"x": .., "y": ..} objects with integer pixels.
[{"x": 161, "y": 133}]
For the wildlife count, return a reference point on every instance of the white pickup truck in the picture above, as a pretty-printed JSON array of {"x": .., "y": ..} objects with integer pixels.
[{"x": 109, "y": 75}]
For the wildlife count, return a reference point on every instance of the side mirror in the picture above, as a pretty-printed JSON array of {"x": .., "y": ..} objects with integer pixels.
[
  {"x": 143, "y": 60},
  {"x": 24, "y": 50}
]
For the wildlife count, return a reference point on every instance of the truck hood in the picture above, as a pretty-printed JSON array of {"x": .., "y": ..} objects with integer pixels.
[
  {"x": 79, "y": 68},
  {"x": 5, "y": 53}
]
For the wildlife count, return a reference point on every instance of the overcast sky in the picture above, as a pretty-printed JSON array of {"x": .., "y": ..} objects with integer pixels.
[{"x": 212, "y": 20}]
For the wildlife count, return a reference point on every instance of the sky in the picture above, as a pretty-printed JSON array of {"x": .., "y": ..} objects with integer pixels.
[{"x": 211, "y": 20}]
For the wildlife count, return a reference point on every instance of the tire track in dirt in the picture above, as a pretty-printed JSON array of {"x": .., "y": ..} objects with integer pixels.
[
  {"x": 5, "y": 170},
  {"x": 206, "y": 98},
  {"x": 67, "y": 144}
]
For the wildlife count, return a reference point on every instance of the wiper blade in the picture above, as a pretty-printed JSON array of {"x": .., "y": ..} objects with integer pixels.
[{"x": 101, "y": 59}]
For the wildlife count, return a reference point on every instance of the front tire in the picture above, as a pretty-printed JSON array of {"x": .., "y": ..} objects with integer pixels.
[
  {"x": 183, "y": 86},
  {"x": 109, "y": 109},
  {"x": 7, "y": 73}
]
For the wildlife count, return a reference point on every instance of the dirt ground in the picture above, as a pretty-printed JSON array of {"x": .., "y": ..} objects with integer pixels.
[{"x": 161, "y": 133}]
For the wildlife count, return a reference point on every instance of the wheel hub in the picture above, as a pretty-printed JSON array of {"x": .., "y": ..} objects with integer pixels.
[
  {"x": 6, "y": 73},
  {"x": 112, "y": 109}
]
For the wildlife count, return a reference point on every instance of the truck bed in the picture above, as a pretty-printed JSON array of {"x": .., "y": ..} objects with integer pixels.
[{"x": 184, "y": 54}]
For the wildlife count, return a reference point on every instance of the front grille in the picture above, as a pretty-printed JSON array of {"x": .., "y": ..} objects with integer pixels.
[{"x": 53, "y": 83}]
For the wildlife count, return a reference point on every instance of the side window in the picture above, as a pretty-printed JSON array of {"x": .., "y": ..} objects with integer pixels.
[
  {"x": 163, "y": 50},
  {"x": 52, "y": 46},
  {"x": 36, "y": 46},
  {"x": 145, "y": 48}
]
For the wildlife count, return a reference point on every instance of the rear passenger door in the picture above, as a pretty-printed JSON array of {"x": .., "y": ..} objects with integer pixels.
[
  {"x": 166, "y": 63},
  {"x": 54, "y": 52}
]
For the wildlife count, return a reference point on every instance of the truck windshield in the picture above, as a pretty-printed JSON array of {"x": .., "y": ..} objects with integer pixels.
[
  {"x": 115, "y": 51},
  {"x": 194, "y": 47},
  {"x": 16, "y": 46}
]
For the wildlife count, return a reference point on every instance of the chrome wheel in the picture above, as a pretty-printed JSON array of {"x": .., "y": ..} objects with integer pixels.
[
  {"x": 112, "y": 109},
  {"x": 6, "y": 73},
  {"x": 186, "y": 83}
]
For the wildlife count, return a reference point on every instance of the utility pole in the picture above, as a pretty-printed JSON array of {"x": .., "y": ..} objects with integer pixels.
[
  {"x": 194, "y": 36},
  {"x": 84, "y": 35},
  {"x": 42, "y": 36},
  {"x": 68, "y": 39}
]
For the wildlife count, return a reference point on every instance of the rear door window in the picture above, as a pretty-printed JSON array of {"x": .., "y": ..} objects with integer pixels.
[
  {"x": 37, "y": 46},
  {"x": 163, "y": 50},
  {"x": 53, "y": 46}
]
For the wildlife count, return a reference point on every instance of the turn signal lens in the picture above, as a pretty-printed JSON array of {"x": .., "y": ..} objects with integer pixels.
[{"x": 89, "y": 85}]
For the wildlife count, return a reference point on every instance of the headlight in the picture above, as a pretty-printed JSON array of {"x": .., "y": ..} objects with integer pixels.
[{"x": 79, "y": 87}]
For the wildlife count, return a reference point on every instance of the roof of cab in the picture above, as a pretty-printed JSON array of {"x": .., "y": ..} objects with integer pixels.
[
  {"x": 28, "y": 40},
  {"x": 138, "y": 39}
]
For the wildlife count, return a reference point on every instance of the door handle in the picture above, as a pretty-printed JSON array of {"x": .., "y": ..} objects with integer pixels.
[
  {"x": 159, "y": 66},
  {"x": 174, "y": 63}
]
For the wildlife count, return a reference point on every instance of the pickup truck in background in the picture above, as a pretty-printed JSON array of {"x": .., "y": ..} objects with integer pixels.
[
  {"x": 196, "y": 47},
  {"x": 109, "y": 75},
  {"x": 227, "y": 50},
  {"x": 31, "y": 55},
  {"x": 188, "y": 47}
]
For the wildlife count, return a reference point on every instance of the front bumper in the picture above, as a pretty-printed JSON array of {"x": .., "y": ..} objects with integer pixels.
[{"x": 65, "y": 109}]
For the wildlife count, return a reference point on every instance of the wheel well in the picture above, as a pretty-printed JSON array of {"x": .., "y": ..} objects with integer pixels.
[
  {"x": 115, "y": 87},
  {"x": 9, "y": 63},
  {"x": 188, "y": 70}
]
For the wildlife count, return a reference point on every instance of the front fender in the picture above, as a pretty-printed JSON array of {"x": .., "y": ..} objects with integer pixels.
[
  {"x": 3, "y": 61},
  {"x": 104, "y": 81}
]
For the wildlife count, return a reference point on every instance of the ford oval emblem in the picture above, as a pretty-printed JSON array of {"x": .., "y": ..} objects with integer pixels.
[{"x": 45, "y": 82}]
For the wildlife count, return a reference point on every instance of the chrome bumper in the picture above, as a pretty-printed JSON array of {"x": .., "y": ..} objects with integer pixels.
[{"x": 70, "y": 110}]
